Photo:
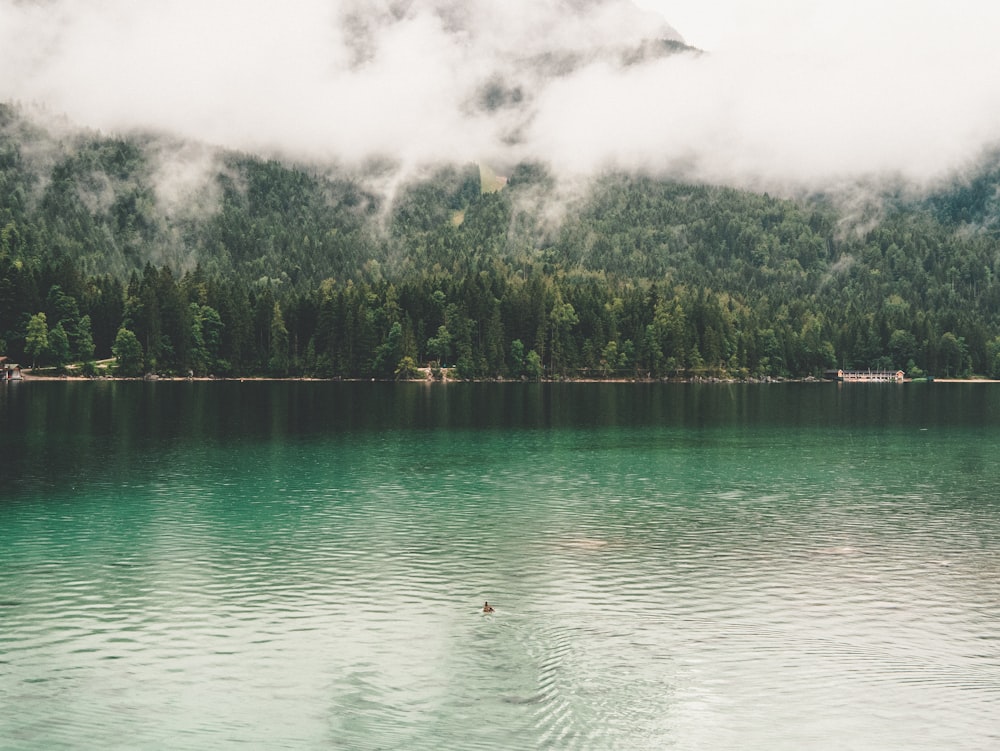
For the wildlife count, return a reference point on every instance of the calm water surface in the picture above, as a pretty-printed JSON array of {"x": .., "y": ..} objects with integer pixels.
[{"x": 303, "y": 566}]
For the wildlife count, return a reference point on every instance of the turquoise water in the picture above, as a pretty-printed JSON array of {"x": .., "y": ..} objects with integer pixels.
[{"x": 303, "y": 565}]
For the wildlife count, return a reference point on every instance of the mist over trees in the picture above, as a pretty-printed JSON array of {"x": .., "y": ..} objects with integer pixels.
[{"x": 256, "y": 266}]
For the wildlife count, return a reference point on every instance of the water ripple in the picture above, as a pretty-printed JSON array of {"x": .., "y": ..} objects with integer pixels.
[{"x": 652, "y": 591}]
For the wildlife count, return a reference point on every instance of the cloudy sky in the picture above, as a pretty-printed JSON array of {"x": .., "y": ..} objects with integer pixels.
[{"x": 790, "y": 92}]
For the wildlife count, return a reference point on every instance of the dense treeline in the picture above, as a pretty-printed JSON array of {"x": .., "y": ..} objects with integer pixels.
[{"x": 267, "y": 268}]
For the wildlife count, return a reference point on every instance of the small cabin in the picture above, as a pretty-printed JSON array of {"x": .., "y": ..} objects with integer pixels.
[{"x": 9, "y": 371}]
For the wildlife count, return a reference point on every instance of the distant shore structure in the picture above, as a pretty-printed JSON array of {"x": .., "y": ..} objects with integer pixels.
[
  {"x": 870, "y": 376},
  {"x": 9, "y": 371}
]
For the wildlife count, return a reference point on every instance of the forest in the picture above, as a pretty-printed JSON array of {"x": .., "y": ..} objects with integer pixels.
[{"x": 265, "y": 267}]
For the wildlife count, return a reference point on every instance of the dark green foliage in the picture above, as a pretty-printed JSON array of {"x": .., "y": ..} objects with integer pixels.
[
  {"x": 407, "y": 370},
  {"x": 280, "y": 223},
  {"x": 128, "y": 354},
  {"x": 58, "y": 346},
  {"x": 972, "y": 199},
  {"x": 36, "y": 339},
  {"x": 274, "y": 269}
]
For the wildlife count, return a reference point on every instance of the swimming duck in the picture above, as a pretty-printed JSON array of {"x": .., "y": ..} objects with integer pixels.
[{"x": 487, "y": 608}]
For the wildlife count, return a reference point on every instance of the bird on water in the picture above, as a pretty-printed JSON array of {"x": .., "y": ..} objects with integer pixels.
[{"x": 487, "y": 608}]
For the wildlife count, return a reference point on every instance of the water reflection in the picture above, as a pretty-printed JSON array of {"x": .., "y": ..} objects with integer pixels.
[{"x": 304, "y": 565}]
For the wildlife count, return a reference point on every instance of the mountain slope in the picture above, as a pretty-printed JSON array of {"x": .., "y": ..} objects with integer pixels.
[{"x": 692, "y": 278}]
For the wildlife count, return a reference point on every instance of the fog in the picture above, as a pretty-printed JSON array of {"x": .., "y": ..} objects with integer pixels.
[{"x": 785, "y": 96}]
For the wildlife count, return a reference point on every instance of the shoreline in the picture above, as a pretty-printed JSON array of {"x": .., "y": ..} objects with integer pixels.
[{"x": 28, "y": 376}]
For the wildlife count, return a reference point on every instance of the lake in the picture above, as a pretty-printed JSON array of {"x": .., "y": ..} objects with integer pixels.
[{"x": 304, "y": 565}]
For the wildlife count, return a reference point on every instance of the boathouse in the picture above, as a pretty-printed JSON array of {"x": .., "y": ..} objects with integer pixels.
[
  {"x": 9, "y": 371},
  {"x": 870, "y": 376}
]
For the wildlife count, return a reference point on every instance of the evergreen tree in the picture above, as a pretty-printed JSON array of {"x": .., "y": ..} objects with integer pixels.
[
  {"x": 278, "y": 344},
  {"x": 58, "y": 346},
  {"x": 82, "y": 341}
]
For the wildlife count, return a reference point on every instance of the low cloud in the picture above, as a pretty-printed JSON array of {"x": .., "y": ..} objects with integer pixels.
[{"x": 907, "y": 89}]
